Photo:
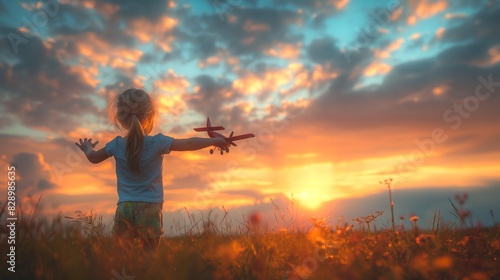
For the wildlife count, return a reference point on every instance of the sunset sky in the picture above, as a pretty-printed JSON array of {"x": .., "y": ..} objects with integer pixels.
[{"x": 340, "y": 95}]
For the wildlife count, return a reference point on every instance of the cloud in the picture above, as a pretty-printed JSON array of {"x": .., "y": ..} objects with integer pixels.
[
  {"x": 316, "y": 10},
  {"x": 481, "y": 27},
  {"x": 34, "y": 174},
  {"x": 149, "y": 9},
  {"x": 439, "y": 32},
  {"x": 424, "y": 9},
  {"x": 345, "y": 63},
  {"x": 170, "y": 89},
  {"x": 254, "y": 31},
  {"x": 191, "y": 181},
  {"x": 210, "y": 95},
  {"x": 56, "y": 95},
  {"x": 393, "y": 46},
  {"x": 285, "y": 51},
  {"x": 377, "y": 69},
  {"x": 159, "y": 32}
]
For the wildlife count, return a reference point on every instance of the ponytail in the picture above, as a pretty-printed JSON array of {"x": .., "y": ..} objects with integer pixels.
[
  {"x": 135, "y": 111},
  {"x": 135, "y": 140}
]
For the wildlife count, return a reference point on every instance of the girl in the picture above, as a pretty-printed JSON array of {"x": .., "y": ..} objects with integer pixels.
[{"x": 139, "y": 158}]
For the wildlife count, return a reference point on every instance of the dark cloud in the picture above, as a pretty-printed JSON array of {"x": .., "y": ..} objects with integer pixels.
[
  {"x": 34, "y": 173},
  {"x": 72, "y": 19},
  {"x": 346, "y": 62},
  {"x": 204, "y": 46},
  {"x": 42, "y": 91},
  {"x": 482, "y": 26},
  {"x": 315, "y": 10},
  {"x": 210, "y": 97},
  {"x": 148, "y": 9},
  {"x": 269, "y": 27}
]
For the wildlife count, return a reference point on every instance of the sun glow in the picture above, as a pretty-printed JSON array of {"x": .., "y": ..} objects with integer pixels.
[{"x": 311, "y": 184}]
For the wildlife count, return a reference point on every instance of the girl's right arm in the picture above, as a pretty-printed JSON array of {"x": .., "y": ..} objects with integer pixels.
[{"x": 196, "y": 143}]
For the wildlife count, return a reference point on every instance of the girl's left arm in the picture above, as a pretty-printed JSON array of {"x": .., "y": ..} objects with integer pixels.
[{"x": 88, "y": 148}]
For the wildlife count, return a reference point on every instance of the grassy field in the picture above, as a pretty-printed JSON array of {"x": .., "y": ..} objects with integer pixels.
[{"x": 84, "y": 250}]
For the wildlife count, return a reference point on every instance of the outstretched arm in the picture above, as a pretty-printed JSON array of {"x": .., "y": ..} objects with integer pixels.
[
  {"x": 196, "y": 143},
  {"x": 88, "y": 148}
]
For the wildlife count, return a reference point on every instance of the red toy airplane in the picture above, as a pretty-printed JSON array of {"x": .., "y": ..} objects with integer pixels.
[{"x": 210, "y": 131}]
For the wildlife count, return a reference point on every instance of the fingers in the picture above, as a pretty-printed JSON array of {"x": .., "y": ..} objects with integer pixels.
[{"x": 85, "y": 140}]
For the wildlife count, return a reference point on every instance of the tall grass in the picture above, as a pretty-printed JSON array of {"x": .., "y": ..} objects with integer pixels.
[{"x": 209, "y": 248}]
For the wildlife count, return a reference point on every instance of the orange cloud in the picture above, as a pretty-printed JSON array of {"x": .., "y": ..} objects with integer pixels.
[
  {"x": 287, "y": 80},
  {"x": 212, "y": 60},
  {"x": 284, "y": 50},
  {"x": 87, "y": 74},
  {"x": 32, "y": 6},
  {"x": 220, "y": 57},
  {"x": 322, "y": 74},
  {"x": 170, "y": 89},
  {"x": 377, "y": 68},
  {"x": 492, "y": 58},
  {"x": 440, "y": 89},
  {"x": 494, "y": 53},
  {"x": 397, "y": 13},
  {"x": 386, "y": 53},
  {"x": 424, "y": 9},
  {"x": 158, "y": 32},
  {"x": 101, "y": 52},
  {"x": 339, "y": 4},
  {"x": 270, "y": 80},
  {"x": 440, "y": 32}
]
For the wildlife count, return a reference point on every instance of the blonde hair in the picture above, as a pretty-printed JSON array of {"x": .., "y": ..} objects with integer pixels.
[{"x": 135, "y": 111}]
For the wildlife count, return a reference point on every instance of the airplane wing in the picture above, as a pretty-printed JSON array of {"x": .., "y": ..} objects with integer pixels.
[
  {"x": 209, "y": 128},
  {"x": 240, "y": 137}
]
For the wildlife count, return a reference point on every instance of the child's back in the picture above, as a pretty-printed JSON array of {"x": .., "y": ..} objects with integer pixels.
[{"x": 146, "y": 186}]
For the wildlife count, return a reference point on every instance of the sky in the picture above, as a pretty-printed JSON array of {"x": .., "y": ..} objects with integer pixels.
[{"x": 341, "y": 95}]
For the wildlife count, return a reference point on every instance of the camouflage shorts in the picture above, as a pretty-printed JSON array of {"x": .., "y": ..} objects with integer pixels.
[{"x": 138, "y": 219}]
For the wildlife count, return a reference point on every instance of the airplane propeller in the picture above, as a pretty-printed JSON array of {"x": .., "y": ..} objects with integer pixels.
[{"x": 231, "y": 135}]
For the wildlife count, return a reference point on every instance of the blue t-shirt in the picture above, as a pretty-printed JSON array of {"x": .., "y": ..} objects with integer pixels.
[{"x": 148, "y": 186}]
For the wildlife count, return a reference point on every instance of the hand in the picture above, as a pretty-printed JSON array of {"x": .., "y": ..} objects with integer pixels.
[
  {"x": 220, "y": 143},
  {"x": 86, "y": 145}
]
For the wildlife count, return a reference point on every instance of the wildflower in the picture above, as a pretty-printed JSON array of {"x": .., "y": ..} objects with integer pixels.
[
  {"x": 424, "y": 239},
  {"x": 461, "y": 199},
  {"x": 414, "y": 218},
  {"x": 464, "y": 214},
  {"x": 255, "y": 219},
  {"x": 402, "y": 218}
]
